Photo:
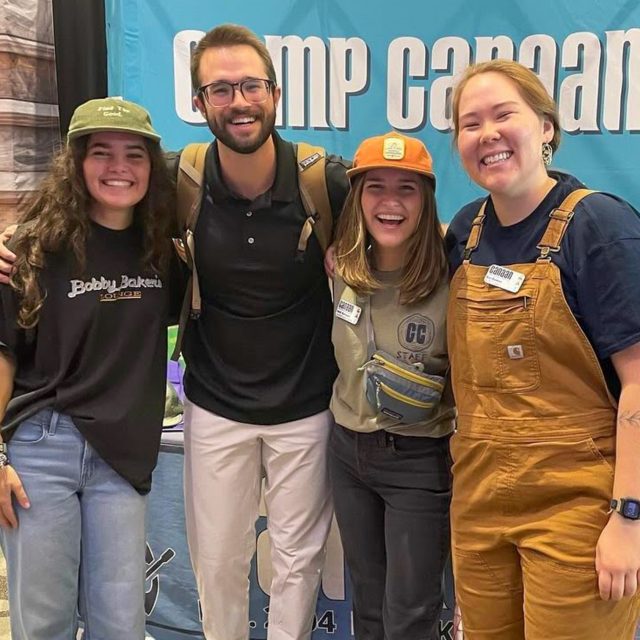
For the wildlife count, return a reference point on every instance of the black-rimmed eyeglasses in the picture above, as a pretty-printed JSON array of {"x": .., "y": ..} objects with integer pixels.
[{"x": 221, "y": 93}]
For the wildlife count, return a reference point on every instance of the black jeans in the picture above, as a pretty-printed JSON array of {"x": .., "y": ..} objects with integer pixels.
[{"x": 391, "y": 495}]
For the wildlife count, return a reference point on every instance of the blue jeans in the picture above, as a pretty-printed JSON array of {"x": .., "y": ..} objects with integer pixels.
[{"x": 81, "y": 544}]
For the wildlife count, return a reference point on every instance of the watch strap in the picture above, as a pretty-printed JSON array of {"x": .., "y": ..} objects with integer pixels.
[{"x": 628, "y": 508}]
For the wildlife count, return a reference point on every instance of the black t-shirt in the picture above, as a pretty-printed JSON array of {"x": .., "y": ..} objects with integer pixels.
[
  {"x": 599, "y": 261},
  {"x": 98, "y": 352},
  {"x": 261, "y": 351}
]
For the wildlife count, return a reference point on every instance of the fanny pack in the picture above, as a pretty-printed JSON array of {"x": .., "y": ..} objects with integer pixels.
[{"x": 399, "y": 390}]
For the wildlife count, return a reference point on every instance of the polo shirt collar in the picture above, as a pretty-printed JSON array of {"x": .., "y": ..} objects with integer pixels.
[{"x": 284, "y": 188}]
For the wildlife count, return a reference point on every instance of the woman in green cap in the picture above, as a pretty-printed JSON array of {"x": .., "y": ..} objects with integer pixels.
[{"x": 82, "y": 379}]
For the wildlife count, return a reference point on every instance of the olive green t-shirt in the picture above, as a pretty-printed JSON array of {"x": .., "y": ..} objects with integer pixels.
[{"x": 412, "y": 333}]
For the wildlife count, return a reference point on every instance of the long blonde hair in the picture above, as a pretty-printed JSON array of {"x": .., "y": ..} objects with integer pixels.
[
  {"x": 58, "y": 220},
  {"x": 425, "y": 263}
]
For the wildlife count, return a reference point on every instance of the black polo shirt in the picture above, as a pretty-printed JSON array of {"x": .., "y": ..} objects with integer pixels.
[{"x": 261, "y": 350}]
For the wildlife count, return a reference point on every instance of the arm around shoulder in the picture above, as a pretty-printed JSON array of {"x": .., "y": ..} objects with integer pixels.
[
  {"x": 7, "y": 257},
  {"x": 337, "y": 182}
]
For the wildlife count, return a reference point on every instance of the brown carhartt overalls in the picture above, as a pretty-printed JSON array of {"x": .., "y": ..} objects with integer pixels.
[{"x": 534, "y": 456}]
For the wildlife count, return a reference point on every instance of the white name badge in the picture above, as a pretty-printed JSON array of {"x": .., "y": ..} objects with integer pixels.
[
  {"x": 348, "y": 311},
  {"x": 504, "y": 278}
]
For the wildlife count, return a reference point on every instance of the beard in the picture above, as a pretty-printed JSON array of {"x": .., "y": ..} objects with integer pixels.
[{"x": 218, "y": 126}]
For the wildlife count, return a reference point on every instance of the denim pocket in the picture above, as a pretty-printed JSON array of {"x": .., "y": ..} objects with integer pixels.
[
  {"x": 412, "y": 446},
  {"x": 29, "y": 431}
]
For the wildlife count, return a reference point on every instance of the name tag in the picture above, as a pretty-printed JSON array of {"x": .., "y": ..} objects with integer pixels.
[
  {"x": 504, "y": 278},
  {"x": 348, "y": 311}
]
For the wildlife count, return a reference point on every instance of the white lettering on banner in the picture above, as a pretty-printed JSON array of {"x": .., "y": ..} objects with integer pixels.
[
  {"x": 309, "y": 69},
  {"x": 451, "y": 55},
  {"x": 488, "y": 48},
  {"x": 539, "y": 52},
  {"x": 407, "y": 57},
  {"x": 320, "y": 81},
  {"x": 623, "y": 50},
  {"x": 578, "y": 99},
  {"x": 349, "y": 74},
  {"x": 183, "y": 43},
  {"x": 305, "y": 63}
]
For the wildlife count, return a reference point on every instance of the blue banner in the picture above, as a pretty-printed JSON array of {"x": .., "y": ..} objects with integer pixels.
[
  {"x": 171, "y": 598},
  {"x": 349, "y": 70}
]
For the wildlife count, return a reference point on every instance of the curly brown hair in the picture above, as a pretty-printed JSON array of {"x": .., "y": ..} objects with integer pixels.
[
  {"x": 57, "y": 221},
  {"x": 425, "y": 263}
]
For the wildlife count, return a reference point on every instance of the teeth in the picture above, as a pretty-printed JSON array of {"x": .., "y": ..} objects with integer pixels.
[
  {"x": 117, "y": 183},
  {"x": 243, "y": 120},
  {"x": 390, "y": 217},
  {"x": 498, "y": 157}
]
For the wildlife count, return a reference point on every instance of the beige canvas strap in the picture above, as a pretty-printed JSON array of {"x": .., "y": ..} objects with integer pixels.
[
  {"x": 559, "y": 222},
  {"x": 312, "y": 183}
]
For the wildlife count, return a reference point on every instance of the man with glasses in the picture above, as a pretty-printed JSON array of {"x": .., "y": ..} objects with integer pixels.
[{"x": 260, "y": 364}]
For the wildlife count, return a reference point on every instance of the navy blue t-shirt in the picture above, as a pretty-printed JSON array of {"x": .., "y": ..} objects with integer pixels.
[{"x": 599, "y": 261}]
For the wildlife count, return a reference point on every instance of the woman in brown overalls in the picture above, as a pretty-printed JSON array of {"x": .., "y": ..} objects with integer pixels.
[{"x": 544, "y": 339}]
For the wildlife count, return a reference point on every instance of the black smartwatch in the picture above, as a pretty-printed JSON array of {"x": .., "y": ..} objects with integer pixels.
[{"x": 628, "y": 508}]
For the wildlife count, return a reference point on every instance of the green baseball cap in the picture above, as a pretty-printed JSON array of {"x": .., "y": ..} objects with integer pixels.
[{"x": 111, "y": 114}]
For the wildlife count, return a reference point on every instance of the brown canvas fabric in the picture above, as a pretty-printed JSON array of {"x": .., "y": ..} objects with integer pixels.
[{"x": 534, "y": 459}]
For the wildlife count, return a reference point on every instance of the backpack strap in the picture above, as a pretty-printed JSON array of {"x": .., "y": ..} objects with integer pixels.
[
  {"x": 189, "y": 188},
  {"x": 558, "y": 223},
  {"x": 189, "y": 183},
  {"x": 312, "y": 183}
]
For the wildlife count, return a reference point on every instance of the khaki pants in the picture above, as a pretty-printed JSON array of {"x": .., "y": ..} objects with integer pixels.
[{"x": 224, "y": 464}]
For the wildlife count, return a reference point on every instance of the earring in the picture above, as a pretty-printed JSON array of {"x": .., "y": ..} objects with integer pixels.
[{"x": 547, "y": 153}]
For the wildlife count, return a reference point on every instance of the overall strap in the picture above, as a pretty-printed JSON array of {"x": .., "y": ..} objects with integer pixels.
[
  {"x": 475, "y": 233},
  {"x": 559, "y": 222}
]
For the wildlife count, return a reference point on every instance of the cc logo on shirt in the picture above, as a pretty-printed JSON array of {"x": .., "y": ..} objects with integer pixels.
[{"x": 416, "y": 332}]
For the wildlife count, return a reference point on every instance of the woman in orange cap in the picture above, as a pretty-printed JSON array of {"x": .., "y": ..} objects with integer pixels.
[
  {"x": 389, "y": 457},
  {"x": 544, "y": 340}
]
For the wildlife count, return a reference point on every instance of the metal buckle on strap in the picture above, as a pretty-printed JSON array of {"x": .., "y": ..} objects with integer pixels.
[
  {"x": 560, "y": 214},
  {"x": 545, "y": 249},
  {"x": 544, "y": 253},
  {"x": 474, "y": 235}
]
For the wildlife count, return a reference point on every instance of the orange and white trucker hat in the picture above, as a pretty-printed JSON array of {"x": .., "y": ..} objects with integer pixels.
[{"x": 392, "y": 151}]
